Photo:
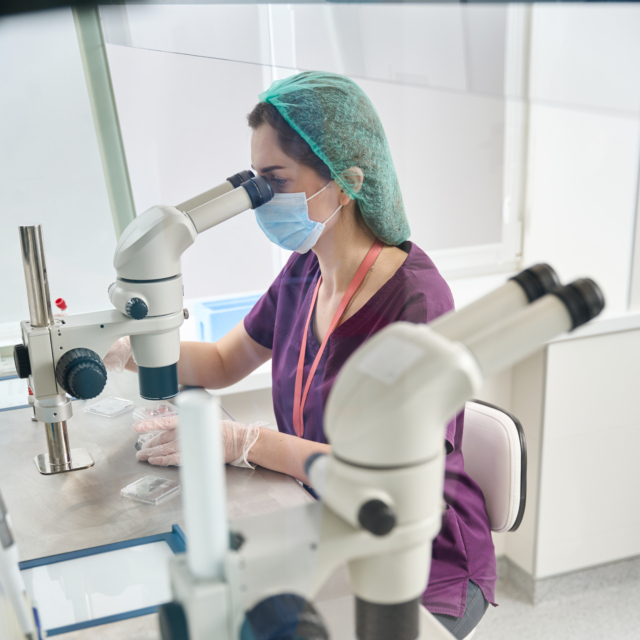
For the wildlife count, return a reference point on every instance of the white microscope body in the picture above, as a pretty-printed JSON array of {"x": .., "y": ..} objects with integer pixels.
[
  {"x": 61, "y": 356},
  {"x": 381, "y": 486}
]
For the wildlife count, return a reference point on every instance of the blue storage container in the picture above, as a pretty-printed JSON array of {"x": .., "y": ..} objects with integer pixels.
[{"x": 215, "y": 318}]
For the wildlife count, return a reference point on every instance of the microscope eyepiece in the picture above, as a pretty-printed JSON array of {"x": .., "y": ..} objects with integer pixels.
[
  {"x": 238, "y": 178},
  {"x": 537, "y": 281},
  {"x": 583, "y": 299},
  {"x": 259, "y": 190}
]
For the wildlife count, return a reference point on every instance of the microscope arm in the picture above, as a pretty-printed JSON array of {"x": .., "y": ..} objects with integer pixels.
[
  {"x": 149, "y": 283},
  {"x": 150, "y": 248}
]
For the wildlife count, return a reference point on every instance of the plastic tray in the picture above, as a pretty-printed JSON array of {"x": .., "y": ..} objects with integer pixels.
[
  {"x": 109, "y": 407},
  {"x": 150, "y": 490}
]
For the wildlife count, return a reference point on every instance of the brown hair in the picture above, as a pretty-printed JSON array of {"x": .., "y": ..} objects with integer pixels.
[{"x": 295, "y": 146}]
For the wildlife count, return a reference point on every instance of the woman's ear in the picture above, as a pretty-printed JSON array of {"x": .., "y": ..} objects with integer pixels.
[{"x": 354, "y": 178}]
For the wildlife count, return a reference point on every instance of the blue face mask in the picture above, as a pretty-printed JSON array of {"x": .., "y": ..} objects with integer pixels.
[{"x": 285, "y": 221}]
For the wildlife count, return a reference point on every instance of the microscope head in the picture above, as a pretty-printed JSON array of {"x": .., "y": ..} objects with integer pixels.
[
  {"x": 149, "y": 288},
  {"x": 403, "y": 377}
]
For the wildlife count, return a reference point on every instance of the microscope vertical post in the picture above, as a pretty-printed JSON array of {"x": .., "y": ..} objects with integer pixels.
[
  {"x": 58, "y": 444},
  {"x": 59, "y": 456},
  {"x": 35, "y": 274}
]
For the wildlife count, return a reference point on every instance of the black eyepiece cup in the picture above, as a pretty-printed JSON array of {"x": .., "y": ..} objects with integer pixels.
[
  {"x": 537, "y": 281},
  {"x": 583, "y": 299},
  {"x": 238, "y": 178},
  {"x": 259, "y": 190}
]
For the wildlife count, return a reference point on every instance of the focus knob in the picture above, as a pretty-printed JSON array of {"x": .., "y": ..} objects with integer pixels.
[
  {"x": 377, "y": 517},
  {"x": 285, "y": 616},
  {"x": 173, "y": 622},
  {"x": 21, "y": 360},
  {"x": 136, "y": 308},
  {"x": 81, "y": 373}
]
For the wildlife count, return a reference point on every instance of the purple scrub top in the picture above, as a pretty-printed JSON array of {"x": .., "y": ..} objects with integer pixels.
[{"x": 463, "y": 550}]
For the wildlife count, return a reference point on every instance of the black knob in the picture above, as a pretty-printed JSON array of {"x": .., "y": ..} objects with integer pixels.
[
  {"x": 377, "y": 517},
  {"x": 173, "y": 622},
  {"x": 283, "y": 617},
  {"x": 81, "y": 373},
  {"x": 236, "y": 540},
  {"x": 21, "y": 360},
  {"x": 136, "y": 308}
]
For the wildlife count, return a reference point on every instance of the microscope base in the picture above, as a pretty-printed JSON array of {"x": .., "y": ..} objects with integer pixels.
[{"x": 80, "y": 459}]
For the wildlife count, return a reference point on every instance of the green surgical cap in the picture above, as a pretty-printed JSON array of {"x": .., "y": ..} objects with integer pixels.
[{"x": 339, "y": 122}]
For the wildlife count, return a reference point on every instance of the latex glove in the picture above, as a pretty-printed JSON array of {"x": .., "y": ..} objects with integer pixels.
[
  {"x": 118, "y": 356},
  {"x": 164, "y": 448},
  {"x": 237, "y": 440}
]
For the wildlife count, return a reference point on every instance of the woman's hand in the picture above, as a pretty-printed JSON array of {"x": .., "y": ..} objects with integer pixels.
[
  {"x": 118, "y": 356},
  {"x": 163, "y": 449}
]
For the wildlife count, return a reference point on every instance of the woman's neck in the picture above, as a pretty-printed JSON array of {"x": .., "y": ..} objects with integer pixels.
[{"x": 340, "y": 251}]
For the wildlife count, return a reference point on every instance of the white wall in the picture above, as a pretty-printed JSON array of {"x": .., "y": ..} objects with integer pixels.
[
  {"x": 584, "y": 143},
  {"x": 50, "y": 170},
  {"x": 448, "y": 152}
]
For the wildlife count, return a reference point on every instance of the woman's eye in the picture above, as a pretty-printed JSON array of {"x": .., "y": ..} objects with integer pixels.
[{"x": 279, "y": 181}]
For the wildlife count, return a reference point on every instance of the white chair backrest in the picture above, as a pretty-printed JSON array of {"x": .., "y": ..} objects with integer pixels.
[{"x": 495, "y": 456}]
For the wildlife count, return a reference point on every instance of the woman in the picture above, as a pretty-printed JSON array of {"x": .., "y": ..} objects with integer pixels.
[{"x": 318, "y": 139}]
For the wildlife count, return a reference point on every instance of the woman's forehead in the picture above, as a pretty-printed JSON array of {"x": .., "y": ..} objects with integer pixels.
[{"x": 266, "y": 154}]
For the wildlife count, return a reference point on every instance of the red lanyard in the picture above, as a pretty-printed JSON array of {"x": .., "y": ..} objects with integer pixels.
[{"x": 299, "y": 399}]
